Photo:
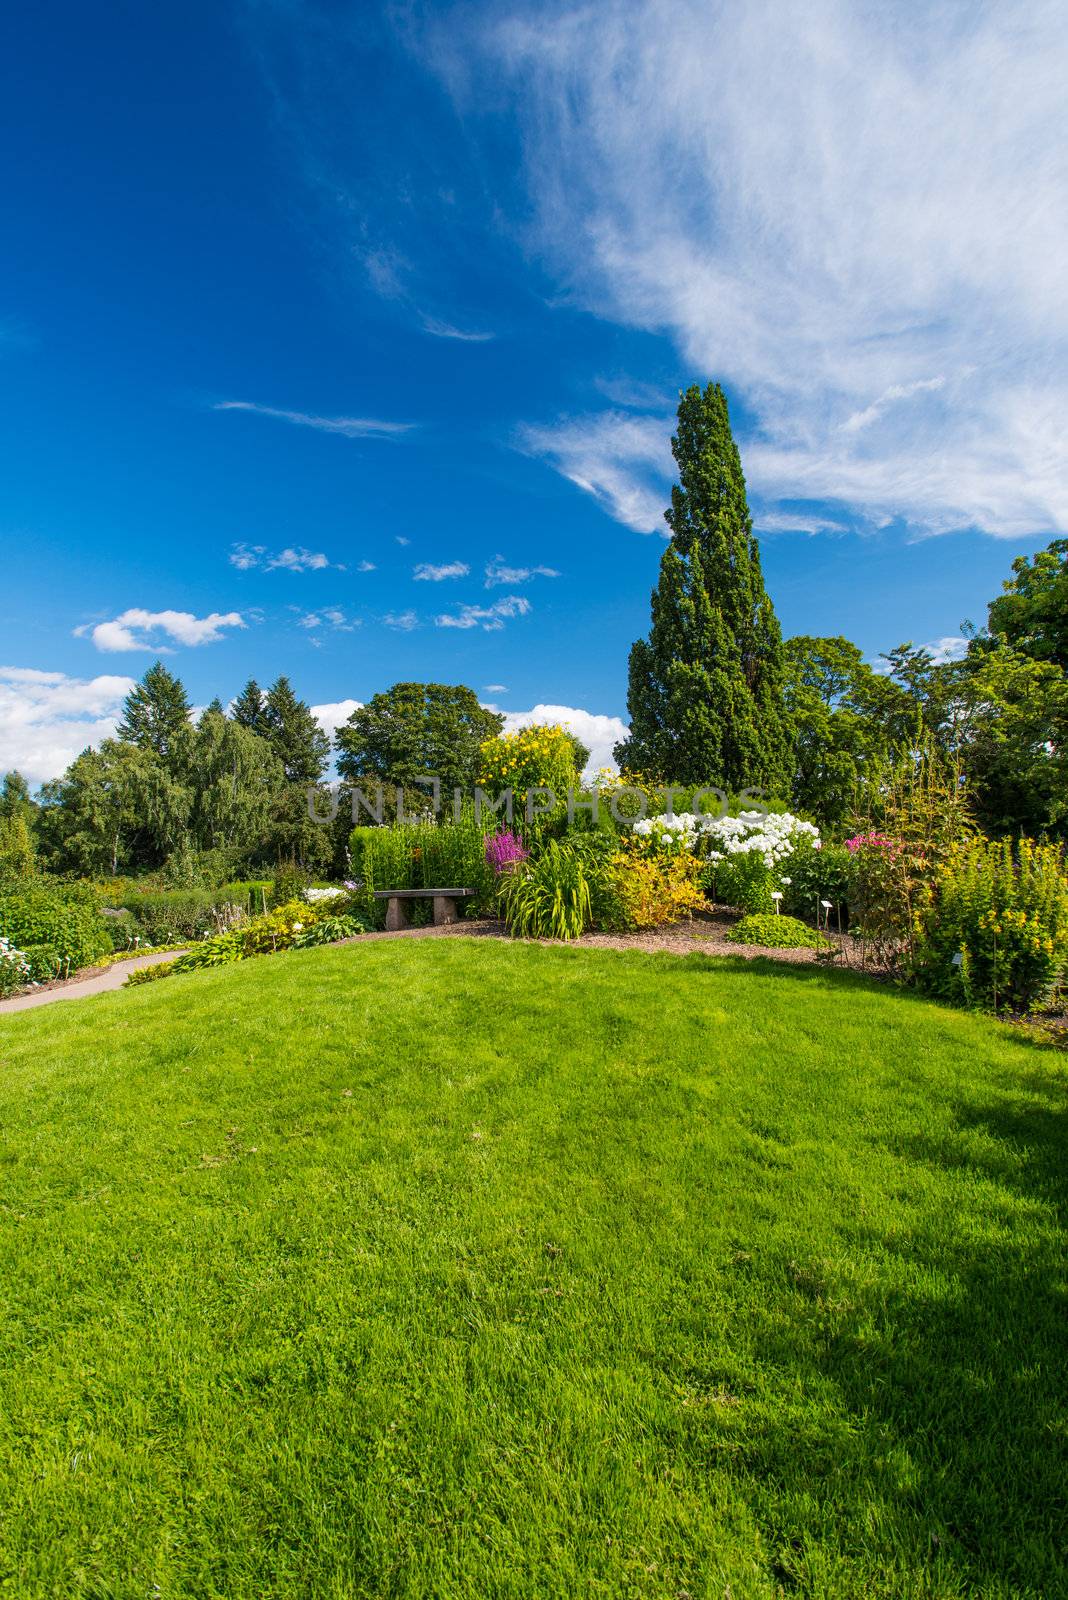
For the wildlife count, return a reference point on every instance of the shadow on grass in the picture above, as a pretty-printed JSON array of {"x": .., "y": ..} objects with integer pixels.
[{"x": 953, "y": 1382}]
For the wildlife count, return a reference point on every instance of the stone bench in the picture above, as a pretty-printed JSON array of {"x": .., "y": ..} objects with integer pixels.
[{"x": 445, "y": 905}]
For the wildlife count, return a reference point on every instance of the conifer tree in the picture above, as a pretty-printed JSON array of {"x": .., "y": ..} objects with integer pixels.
[
  {"x": 294, "y": 735},
  {"x": 248, "y": 708},
  {"x": 705, "y": 692},
  {"x": 155, "y": 715}
]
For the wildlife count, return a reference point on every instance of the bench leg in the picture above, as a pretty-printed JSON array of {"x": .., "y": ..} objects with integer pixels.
[
  {"x": 396, "y": 915},
  {"x": 444, "y": 910}
]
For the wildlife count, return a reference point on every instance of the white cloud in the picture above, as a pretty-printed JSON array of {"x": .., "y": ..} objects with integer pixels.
[
  {"x": 859, "y": 227},
  {"x": 348, "y": 427},
  {"x": 490, "y": 618},
  {"x": 598, "y": 733},
  {"x": 495, "y": 688},
  {"x": 136, "y": 629},
  {"x": 498, "y": 573},
  {"x": 332, "y": 716},
  {"x": 328, "y": 617},
  {"x": 795, "y": 522},
  {"x": 299, "y": 560},
  {"x": 445, "y": 330},
  {"x": 366, "y": 566},
  {"x": 403, "y": 621},
  {"x": 952, "y": 647},
  {"x": 47, "y": 718},
  {"x": 623, "y": 461},
  {"x": 426, "y": 572},
  {"x": 247, "y": 556},
  {"x": 401, "y": 539}
]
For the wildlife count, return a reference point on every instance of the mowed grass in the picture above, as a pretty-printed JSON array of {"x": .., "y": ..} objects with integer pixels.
[{"x": 457, "y": 1268}]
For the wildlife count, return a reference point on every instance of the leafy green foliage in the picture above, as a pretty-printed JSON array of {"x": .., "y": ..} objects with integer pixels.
[
  {"x": 705, "y": 691},
  {"x": 159, "y": 969},
  {"x": 548, "y": 897},
  {"x": 57, "y": 926},
  {"x": 166, "y": 916},
  {"x": 778, "y": 933},
  {"x": 995, "y": 930},
  {"x": 1032, "y": 613},
  {"x": 328, "y": 930},
  {"x": 809, "y": 877},
  {"x": 416, "y": 730}
]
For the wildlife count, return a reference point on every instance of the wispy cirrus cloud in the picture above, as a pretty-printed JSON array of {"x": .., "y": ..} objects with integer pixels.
[
  {"x": 348, "y": 427},
  {"x": 446, "y": 330},
  {"x": 623, "y": 461},
  {"x": 858, "y": 227},
  {"x": 498, "y": 573},
  {"x": 426, "y": 572},
  {"x": 402, "y": 621},
  {"x": 137, "y": 629},
  {"x": 490, "y": 618}
]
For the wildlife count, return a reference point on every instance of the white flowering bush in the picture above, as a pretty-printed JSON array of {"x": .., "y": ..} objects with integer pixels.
[
  {"x": 15, "y": 970},
  {"x": 330, "y": 892},
  {"x": 745, "y": 854}
]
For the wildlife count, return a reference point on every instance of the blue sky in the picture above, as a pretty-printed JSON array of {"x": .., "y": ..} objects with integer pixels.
[{"x": 343, "y": 341}]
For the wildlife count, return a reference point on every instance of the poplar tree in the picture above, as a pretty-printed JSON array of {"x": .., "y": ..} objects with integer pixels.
[{"x": 705, "y": 692}]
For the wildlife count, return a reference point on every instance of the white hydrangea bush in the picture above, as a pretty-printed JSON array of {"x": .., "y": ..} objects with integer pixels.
[
  {"x": 774, "y": 836},
  {"x": 745, "y": 854}
]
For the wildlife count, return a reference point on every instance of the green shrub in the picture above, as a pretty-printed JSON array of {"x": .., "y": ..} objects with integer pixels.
[
  {"x": 994, "y": 933},
  {"x": 164, "y": 916},
  {"x": 744, "y": 881},
  {"x": 328, "y": 930},
  {"x": 215, "y": 952},
  {"x": 778, "y": 933},
  {"x": 162, "y": 969},
  {"x": 422, "y": 855},
  {"x": 15, "y": 968},
  {"x": 809, "y": 877},
  {"x": 288, "y": 883},
  {"x": 60, "y": 919}
]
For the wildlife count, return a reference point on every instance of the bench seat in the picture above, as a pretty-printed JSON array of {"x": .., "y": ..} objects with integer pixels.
[{"x": 445, "y": 904}]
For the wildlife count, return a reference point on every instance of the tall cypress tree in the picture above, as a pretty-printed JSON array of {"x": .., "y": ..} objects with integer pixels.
[{"x": 705, "y": 692}]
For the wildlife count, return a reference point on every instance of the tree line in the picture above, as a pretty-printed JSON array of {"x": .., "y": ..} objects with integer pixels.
[{"x": 715, "y": 695}]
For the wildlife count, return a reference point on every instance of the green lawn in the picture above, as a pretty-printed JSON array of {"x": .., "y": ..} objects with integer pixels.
[{"x": 459, "y": 1268}]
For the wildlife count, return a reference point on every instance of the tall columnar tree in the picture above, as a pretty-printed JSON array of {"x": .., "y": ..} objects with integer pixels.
[
  {"x": 705, "y": 694},
  {"x": 155, "y": 716}
]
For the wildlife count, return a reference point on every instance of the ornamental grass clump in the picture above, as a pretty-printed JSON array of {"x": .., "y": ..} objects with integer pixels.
[
  {"x": 994, "y": 933},
  {"x": 550, "y": 896}
]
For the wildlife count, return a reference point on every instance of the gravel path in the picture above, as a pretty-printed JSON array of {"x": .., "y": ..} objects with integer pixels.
[{"x": 99, "y": 981}]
